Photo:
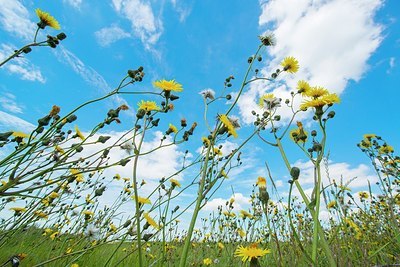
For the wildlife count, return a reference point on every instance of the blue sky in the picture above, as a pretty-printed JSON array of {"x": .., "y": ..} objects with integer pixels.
[{"x": 350, "y": 47}]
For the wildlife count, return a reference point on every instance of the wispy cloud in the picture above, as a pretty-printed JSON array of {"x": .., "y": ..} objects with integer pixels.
[
  {"x": 14, "y": 18},
  {"x": 74, "y": 3},
  {"x": 318, "y": 34},
  {"x": 7, "y": 101},
  {"x": 109, "y": 35},
  {"x": 145, "y": 25},
  {"x": 20, "y": 66},
  {"x": 182, "y": 8},
  {"x": 10, "y": 122}
]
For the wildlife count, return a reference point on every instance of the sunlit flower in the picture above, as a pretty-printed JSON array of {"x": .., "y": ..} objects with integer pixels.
[
  {"x": 170, "y": 85},
  {"x": 228, "y": 125},
  {"x": 113, "y": 228},
  {"x": 251, "y": 252},
  {"x": 207, "y": 261},
  {"x": 46, "y": 20},
  {"x": 328, "y": 99},
  {"x": 363, "y": 195},
  {"x": 79, "y": 133},
  {"x": 74, "y": 265},
  {"x": 59, "y": 149},
  {"x": 385, "y": 149},
  {"x": 245, "y": 214},
  {"x": 88, "y": 214},
  {"x": 316, "y": 92},
  {"x": 18, "y": 210},
  {"x": 217, "y": 151},
  {"x": 290, "y": 64},
  {"x": 117, "y": 177},
  {"x": 206, "y": 141},
  {"x": 220, "y": 245},
  {"x": 261, "y": 182},
  {"x": 41, "y": 214},
  {"x": 175, "y": 183},
  {"x": 269, "y": 101},
  {"x": 172, "y": 129},
  {"x": 20, "y": 134},
  {"x": 303, "y": 87},
  {"x": 54, "y": 235},
  {"x": 54, "y": 195},
  {"x": 150, "y": 220},
  {"x": 77, "y": 174},
  {"x": 331, "y": 204},
  {"x": 369, "y": 136},
  {"x": 241, "y": 232},
  {"x": 142, "y": 200},
  {"x": 47, "y": 231},
  {"x": 148, "y": 105}
]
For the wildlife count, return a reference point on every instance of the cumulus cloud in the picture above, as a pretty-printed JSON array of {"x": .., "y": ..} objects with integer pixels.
[
  {"x": 20, "y": 66},
  {"x": 241, "y": 202},
  {"x": 109, "y": 35},
  {"x": 145, "y": 25},
  {"x": 74, "y": 3},
  {"x": 332, "y": 40},
  {"x": 10, "y": 122},
  {"x": 14, "y": 18}
]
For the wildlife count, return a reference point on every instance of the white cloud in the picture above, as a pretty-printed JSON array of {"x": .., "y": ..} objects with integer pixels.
[
  {"x": 145, "y": 24},
  {"x": 392, "y": 64},
  {"x": 20, "y": 65},
  {"x": 337, "y": 171},
  {"x": 74, "y": 3},
  {"x": 7, "y": 101},
  {"x": 10, "y": 122},
  {"x": 241, "y": 202},
  {"x": 332, "y": 40},
  {"x": 109, "y": 35},
  {"x": 14, "y": 18},
  {"x": 182, "y": 9}
]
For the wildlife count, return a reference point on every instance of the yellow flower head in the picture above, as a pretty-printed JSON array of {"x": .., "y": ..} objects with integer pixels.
[
  {"x": 172, "y": 128},
  {"x": 245, "y": 214},
  {"x": 54, "y": 195},
  {"x": 265, "y": 97},
  {"x": 150, "y": 220},
  {"x": 228, "y": 124},
  {"x": 290, "y": 64},
  {"x": 261, "y": 182},
  {"x": 328, "y": 99},
  {"x": 217, "y": 151},
  {"x": 331, "y": 204},
  {"x": 298, "y": 135},
  {"x": 79, "y": 133},
  {"x": 369, "y": 136},
  {"x": 250, "y": 252},
  {"x": 386, "y": 149},
  {"x": 170, "y": 85},
  {"x": 363, "y": 195},
  {"x": 241, "y": 232},
  {"x": 303, "y": 87},
  {"x": 142, "y": 200},
  {"x": 175, "y": 183},
  {"x": 46, "y": 20},
  {"x": 148, "y": 105},
  {"x": 317, "y": 91},
  {"x": 20, "y": 134},
  {"x": 207, "y": 261},
  {"x": 18, "y": 209},
  {"x": 206, "y": 141}
]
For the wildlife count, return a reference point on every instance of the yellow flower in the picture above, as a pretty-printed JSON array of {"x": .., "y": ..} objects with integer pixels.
[
  {"x": 229, "y": 214},
  {"x": 331, "y": 204},
  {"x": 265, "y": 97},
  {"x": 20, "y": 134},
  {"x": 41, "y": 214},
  {"x": 54, "y": 195},
  {"x": 77, "y": 174},
  {"x": 46, "y": 20},
  {"x": 175, "y": 183},
  {"x": 79, "y": 133},
  {"x": 59, "y": 149},
  {"x": 385, "y": 149},
  {"x": 261, "y": 182},
  {"x": 369, "y": 136},
  {"x": 241, "y": 232},
  {"x": 207, "y": 261},
  {"x": 250, "y": 252},
  {"x": 328, "y": 99},
  {"x": 88, "y": 213},
  {"x": 206, "y": 141},
  {"x": 172, "y": 128},
  {"x": 47, "y": 231},
  {"x": 18, "y": 209},
  {"x": 75, "y": 265},
  {"x": 228, "y": 124},
  {"x": 150, "y": 220},
  {"x": 363, "y": 195},
  {"x": 117, "y": 177},
  {"x": 113, "y": 228},
  {"x": 142, "y": 200},
  {"x": 68, "y": 251},
  {"x": 217, "y": 151},
  {"x": 245, "y": 214},
  {"x": 316, "y": 92},
  {"x": 54, "y": 235},
  {"x": 290, "y": 64},
  {"x": 148, "y": 105},
  {"x": 303, "y": 87},
  {"x": 170, "y": 85}
]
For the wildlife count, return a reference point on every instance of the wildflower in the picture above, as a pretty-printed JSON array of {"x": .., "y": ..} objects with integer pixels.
[
  {"x": 268, "y": 40},
  {"x": 54, "y": 235},
  {"x": 363, "y": 195},
  {"x": 142, "y": 200},
  {"x": 47, "y": 231},
  {"x": 117, "y": 177},
  {"x": 251, "y": 252},
  {"x": 175, "y": 183},
  {"x": 74, "y": 265},
  {"x": 316, "y": 92},
  {"x": 241, "y": 232},
  {"x": 244, "y": 214},
  {"x": 385, "y": 149},
  {"x": 303, "y": 87},
  {"x": 150, "y": 220},
  {"x": 79, "y": 133},
  {"x": 290, "y": 64},
  {"x": 331, "y": 204},
  {"x": 227, "y": 126},
  {"x": 208, "y": 93},
  {"x": 369, "y": 136},
  {"x": 148, "y": 105},
  {"x": 88, "y": 214},
  {"x": 77, "y": 174},
  {"x": 327, "y": 99},
  {"x": 41, "y": 214},
  {"x": 92, "y": 232},
  {"x": 206, "y": 141},
  {"x": 18, "y": 210},
  {"x": 113, "y": 228},
  {"x": 207, "y": 261},
  {"x": 217, "y": 151},
  {"x": 20, "y": 134},
  {"x": 68, "y": 251},
  {"x": 229, "y": 214},
  {"x": 59, "y": 149},
  {"x": 46, "y": 20},
  {"x": 298, "y": 135},
  {"x": 54, "y": 195},
  {"x": 170, "y": 85},
  {"x": 269, "y": 101},
  {"x": 261, "y": 182},
  {"x": 171, "y": 129}
]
